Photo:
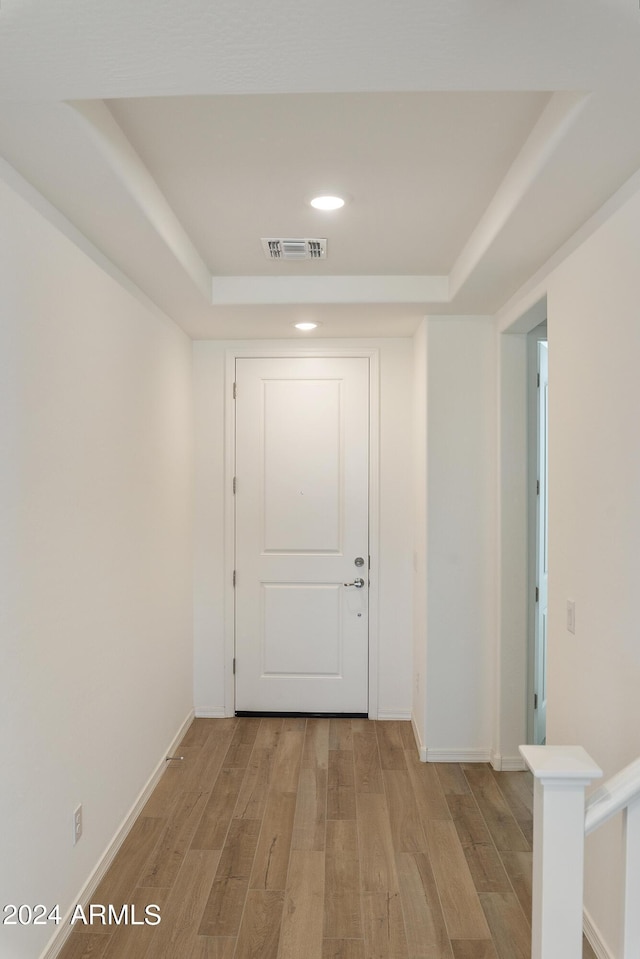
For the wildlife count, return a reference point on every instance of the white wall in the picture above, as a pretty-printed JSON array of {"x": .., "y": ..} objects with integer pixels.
[
  {"x": 395, "y": 603},
  {"x": 95, "y": 558},
  {"x": 512, "y": 652},
  {"x": 209, "y": 507},
  {"x": 594, "y": 520},
  {"x": 461, "y": 537}
]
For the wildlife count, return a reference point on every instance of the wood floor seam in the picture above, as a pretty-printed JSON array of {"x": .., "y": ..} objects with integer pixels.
[{"x": 500, "y": 853}]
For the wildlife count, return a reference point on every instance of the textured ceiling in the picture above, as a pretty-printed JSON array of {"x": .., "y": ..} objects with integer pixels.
[{"x": 97, "y": 49}]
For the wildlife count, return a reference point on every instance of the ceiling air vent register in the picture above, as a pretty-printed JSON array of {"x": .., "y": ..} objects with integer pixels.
[{"x": 302, "y": 249}]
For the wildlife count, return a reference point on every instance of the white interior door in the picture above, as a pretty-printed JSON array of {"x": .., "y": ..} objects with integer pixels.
[
  {"x": 302, "y": 520},
  {"x": 540, "y": 678}
]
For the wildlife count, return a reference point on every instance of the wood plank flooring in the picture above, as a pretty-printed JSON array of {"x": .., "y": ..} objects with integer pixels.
[{"x": 321, "y": 839}]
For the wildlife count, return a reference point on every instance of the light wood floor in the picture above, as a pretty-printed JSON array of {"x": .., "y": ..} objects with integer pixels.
[{"x": 321, "y": 839}]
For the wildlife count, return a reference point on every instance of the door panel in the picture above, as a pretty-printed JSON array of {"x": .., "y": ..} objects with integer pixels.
[
  {"x": 302, "y": 456},
  {"x": 311, "y": 611},
  {"x": 302, "y": 444}
]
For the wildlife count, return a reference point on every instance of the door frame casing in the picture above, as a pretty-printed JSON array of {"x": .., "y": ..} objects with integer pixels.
[
  {"x": 231, "y": 355},
  {"x": 535, "y": 336}
]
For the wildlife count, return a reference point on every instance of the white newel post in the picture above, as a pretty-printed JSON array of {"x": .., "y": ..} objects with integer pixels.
[
  {"x": 632, "y": 880},
  {"x": 562, "y": 774}
]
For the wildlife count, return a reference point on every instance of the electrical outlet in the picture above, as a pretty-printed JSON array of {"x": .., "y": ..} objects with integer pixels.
[
  {"x": 77, "y": 824},
  {"x": 571, "y": 616}
]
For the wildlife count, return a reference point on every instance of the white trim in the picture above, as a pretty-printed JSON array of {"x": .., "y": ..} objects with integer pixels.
[
  {"x": 422, "y": 749},
  {"x": 259, "y": 290},
  {"x": 551, "y": 128},
  {"x": 260, "y": 352},
  {"x": 458, "y": 755},
  {"x": 535, "y": 336},
  {"x": 135, "y": 178},
  {"x": 374, "y": 524},
  {"x": 506, "y": 764},
  {"x": 594, "y": 937},
  {"x": 229, "y": 532},
  {"x": 57, "y": 941},
  {"x": 513, "y": 764},
  {"x": 212, "y": 712},
  {"x": 403, "y": 715}
]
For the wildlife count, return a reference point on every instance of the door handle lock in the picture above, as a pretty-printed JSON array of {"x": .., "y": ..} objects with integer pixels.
[{"x": 358, "y": 583}]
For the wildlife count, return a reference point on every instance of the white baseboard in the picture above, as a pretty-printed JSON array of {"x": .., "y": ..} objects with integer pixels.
[
  {"x": 513, "y": 764},
  {"x": 402, "y": 714},
  {"x": 429, "y": 755},
  {"x": 458, "y": 755},
  {"x": 506, "y": 764},
  {"x": 594, "y": 936},
  {"x": 65, "y": 929},
  {"x": 422, "y": 749},
  {"x": 212, "y": 712}
]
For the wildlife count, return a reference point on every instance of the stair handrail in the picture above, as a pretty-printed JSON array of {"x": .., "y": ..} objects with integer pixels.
[
  {"x": 612, "y": 797},
  {"x": 561, "y": 820}
]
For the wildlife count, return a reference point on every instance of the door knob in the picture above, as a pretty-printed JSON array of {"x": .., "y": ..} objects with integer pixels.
[{"x": 358, "y": 583}]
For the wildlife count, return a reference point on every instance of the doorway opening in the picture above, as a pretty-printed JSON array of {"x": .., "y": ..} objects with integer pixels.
[{"x": 538, "y": 531}]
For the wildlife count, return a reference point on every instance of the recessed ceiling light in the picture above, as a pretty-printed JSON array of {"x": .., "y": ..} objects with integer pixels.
[
  {"x": 327, "y": 202},
  {"x": 305, "y": 326}
]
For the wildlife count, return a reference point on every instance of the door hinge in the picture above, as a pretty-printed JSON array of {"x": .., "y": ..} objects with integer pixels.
[
  {"x": 369, "y": 566},
  {"x": 235, "y": 390},
  {"x": 537, "y": 593},
  {"x": 235, "y": 485},
  {"x": 537, "y": 487},
  {"x": 234, "y": 665},
  {"x": 234, "y": 577},
  {"x": 535, "y": 695},
  {"x": 538, "y": 382}
]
